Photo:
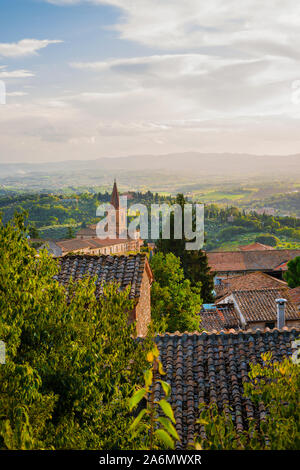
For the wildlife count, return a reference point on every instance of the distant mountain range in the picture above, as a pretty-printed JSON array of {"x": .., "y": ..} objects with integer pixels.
[{"x": 185, "y": 166}]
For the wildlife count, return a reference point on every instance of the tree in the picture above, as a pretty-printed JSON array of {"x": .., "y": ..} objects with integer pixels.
[
  {"x": 72, "y": 361},
  {"x": 272, "y": 385},
  {"x": 175, "y": 304},
  {"x": 267, "y": 239},
  {"x": 194, "y": 263},
  {"x": 197, "y": 270},
  {"x": 33, "y": 231},
  {"x": 70, "y": 232},
  {"x": 292, "y": 275}
]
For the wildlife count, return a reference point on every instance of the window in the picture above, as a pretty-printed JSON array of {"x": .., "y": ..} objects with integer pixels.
[{"x": 270, "y": 325}]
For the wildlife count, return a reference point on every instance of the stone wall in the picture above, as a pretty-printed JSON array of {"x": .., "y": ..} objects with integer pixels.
[{"x": 143, "y": 308}]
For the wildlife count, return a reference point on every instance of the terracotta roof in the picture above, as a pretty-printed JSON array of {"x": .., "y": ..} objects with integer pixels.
[
  {"x": 90, "y": 230},
  {"x": 115, "y": 201},
  {"x": 76, "y": 244},
  {"x": 256, "y": 247},
  {"x": 72, "y": 244},
  {"x": 249, "y": 281},
  {"x": 213, "y": 368},
  {"x": 260, "y": 305},
  {"x": 223, "y": 317},
  {"x": 211, "y": 320},
  {"x": 230, "y": 316},
  {"x": 122, "y": 269},
  {"x": 266, "y": 260},
  {"x": 295, "y": 295}
]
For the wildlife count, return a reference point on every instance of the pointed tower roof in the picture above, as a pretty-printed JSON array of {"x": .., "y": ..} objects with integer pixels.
[{"x": 115, "y": 201}]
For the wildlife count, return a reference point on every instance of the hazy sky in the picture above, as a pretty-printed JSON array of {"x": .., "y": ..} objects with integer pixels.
[{"x": 93, "y": 78}]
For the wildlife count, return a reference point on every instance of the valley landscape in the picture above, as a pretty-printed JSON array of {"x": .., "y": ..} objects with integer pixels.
[{"x": 62, "y": 196}]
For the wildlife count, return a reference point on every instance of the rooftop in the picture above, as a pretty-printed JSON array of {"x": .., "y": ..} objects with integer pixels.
[
  {"x": 75, "y": 244},
  {"x": 261, "y": 260},
  {"x": 125, "y": 270},
  {"x": 202, "y": 367},
  {"x": 260, "y": 304},
  {"x": 249, "y": 281},
  {"x": 219, "y": 318},
  {"x": 256, "y": 247}
]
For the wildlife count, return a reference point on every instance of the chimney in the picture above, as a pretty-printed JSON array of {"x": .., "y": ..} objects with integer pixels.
[{"x": 280, "y": 312}]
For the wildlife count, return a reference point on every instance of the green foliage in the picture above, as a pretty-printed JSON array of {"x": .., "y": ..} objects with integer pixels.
[
  {"x": 157, "y": 431},
  {"x": 175, "y": 304},
  {"x": 267, "y": 239},
  {"x": 274, "y": 385},
  {"x": 71, "y": 361},
  {"x": 33, "y": 232},
  {"x": 194, "y": 263},
  {"x": 219, "y": 430},
  {"x": 70, "y": 232},
  {"x": 52, "y": 214},
  {"x": 229, "y": 227},
  {"x": 197, "y": 270},
  {"x": 292, "y": 275},
  {"x": 230, "y": 232}
]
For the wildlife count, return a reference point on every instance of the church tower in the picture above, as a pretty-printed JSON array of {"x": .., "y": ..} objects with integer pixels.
[{"x": 120, "y": 213}]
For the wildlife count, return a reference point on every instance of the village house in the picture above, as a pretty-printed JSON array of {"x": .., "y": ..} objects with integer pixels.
[
  {"x": 132, "y": 270},
  {"x": 249, "y": 281},
  {"x": 96, "y": 246},
  {"x": 225, "y": 264},
  {"x": 258, "y": 308},
  {"x": 256, "y": 291},
  {"x": 213, "y": 367}
]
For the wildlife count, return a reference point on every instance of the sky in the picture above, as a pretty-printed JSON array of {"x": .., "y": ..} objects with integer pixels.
[{"x": 86, "y": 79}]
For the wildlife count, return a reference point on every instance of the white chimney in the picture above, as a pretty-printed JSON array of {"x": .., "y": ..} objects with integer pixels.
[{"x": 280, "y": 312}]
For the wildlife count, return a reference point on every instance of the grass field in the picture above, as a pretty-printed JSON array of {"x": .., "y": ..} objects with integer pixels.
[{"x": 217, "y": 196}]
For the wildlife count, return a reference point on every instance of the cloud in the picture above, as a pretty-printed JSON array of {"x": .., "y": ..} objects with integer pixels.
[
  {"x": 251, "y": 26},
  {"x": 17, "y": 93},
  {"x": 14, "y": 73},
  {"x": 25, "y": 47},
  {"x": 192, "y": 84},
  {"x": 186, "y": 62},
  {"x": 211, "y": 76}
]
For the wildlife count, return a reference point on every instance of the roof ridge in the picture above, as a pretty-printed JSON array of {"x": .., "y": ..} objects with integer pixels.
[
  {"x": 231, "y": 331},
  {"x": 262, "y": 289},
  {"x": 254, "y": 273},
  {"x": 87, "y": 255},
  {"x": 256, "y": 251}
]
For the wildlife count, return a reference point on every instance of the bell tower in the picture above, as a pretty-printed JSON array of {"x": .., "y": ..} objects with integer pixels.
[{"x": 120, "y": 213}]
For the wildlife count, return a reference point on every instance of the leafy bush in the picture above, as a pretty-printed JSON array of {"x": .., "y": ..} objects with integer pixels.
[
  {"x": 267, "y": 239},
  {"x": 274, "y": 385},
  {"x": 292, "y": 276},
  {"x": 175, "y": 305},
  {"x": 231, "y": 232},
  {"x": 72, "y": 362}
]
